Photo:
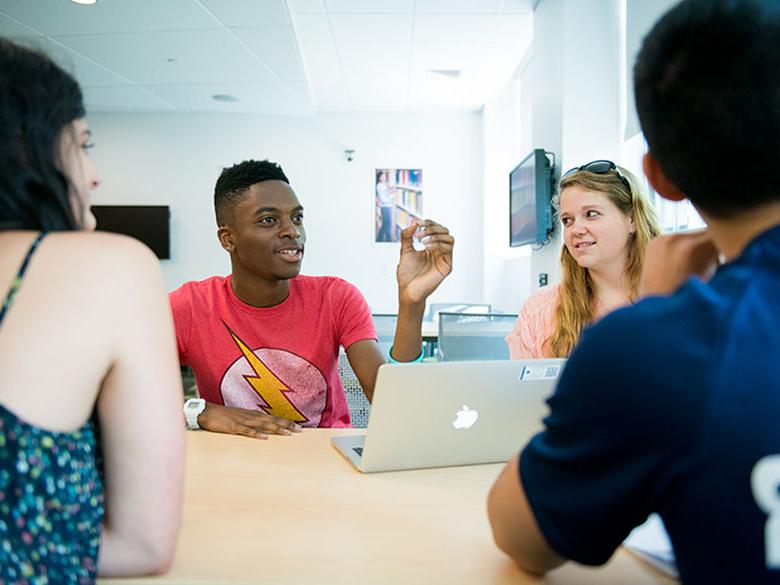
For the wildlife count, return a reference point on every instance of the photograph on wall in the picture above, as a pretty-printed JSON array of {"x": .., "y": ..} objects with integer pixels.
[{"x": 398, "y": 198}]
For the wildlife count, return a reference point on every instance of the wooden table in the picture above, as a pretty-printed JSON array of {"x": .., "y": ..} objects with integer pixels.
[{"x": 291, "y": 510}]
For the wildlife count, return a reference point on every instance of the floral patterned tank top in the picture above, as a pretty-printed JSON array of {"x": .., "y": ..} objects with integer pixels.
[{"x": 51, "y": 494}]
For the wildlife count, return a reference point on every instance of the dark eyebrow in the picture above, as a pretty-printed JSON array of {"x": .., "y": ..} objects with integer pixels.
[{"x": 262, "y": 210}]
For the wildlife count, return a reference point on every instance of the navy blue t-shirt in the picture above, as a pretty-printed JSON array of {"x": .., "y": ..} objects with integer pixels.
[{"x": 672, "y": 406}]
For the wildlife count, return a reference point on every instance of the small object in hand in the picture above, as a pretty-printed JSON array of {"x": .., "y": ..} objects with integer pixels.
[{"x": 417, "y": 238}]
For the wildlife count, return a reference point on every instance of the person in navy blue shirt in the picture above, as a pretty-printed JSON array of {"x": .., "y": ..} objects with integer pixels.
[{"x": 673, "y": 405}]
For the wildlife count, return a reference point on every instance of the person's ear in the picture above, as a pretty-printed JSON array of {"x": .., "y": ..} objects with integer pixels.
[
  {"x": 226, "y": 238},
  {"x": 662, "y": 184}
]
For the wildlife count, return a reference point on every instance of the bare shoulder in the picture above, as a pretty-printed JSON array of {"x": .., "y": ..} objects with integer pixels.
[
  {"x": 111, "y": 265},
  {"x": 101, "y": 251}
]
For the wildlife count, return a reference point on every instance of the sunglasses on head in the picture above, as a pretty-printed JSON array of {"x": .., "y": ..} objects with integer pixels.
[{"x": 599, "y": 167}]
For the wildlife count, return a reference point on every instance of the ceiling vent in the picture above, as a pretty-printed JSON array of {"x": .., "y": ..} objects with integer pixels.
[{"x": 448, "y": 73}]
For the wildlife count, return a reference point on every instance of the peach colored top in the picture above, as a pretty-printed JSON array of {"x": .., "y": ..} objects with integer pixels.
[{"x": 535, "y": 323}]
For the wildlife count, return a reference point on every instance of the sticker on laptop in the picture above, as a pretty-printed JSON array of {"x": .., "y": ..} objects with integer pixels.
[{"x": 529, "y": 373}]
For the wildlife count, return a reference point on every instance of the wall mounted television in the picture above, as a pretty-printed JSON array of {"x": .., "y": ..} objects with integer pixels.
[
  {"x": 148, "y": 223},
  {"x": 530, "y": 199}
]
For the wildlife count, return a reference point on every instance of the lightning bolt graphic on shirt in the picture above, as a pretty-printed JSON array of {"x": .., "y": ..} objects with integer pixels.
[{"x": 270, "y": 388}]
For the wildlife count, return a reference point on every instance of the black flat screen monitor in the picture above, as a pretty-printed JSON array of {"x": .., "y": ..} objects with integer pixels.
[
  {"x": 530, "y": 192},
  {"x": 147, "y": 223}
]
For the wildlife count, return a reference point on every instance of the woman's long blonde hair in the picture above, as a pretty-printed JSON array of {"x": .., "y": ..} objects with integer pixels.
[{"x": 576, "y": 296}]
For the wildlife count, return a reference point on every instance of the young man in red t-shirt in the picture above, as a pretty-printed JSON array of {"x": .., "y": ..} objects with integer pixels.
[{"x": 263, "y": 342}]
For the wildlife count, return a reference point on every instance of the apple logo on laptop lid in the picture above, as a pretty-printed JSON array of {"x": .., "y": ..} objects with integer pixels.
[{"x": 465, "y": 418}]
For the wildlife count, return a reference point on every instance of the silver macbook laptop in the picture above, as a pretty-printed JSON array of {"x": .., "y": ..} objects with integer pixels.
[{"x": 451, "y": 413}]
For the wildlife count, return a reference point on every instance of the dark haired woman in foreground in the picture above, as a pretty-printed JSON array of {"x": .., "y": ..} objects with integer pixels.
[{"x": 91, "y": 436}]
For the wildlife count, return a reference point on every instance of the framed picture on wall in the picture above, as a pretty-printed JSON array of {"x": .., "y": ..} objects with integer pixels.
[{"x": 398, "y": 196}]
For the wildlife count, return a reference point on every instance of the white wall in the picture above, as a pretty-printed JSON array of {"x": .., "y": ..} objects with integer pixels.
[
  {"x": 575, "y": 113},
  {"x": 640, "y": 17},
  {"x": 507, "y": 269},
  {"x": 174, "y": 159}
]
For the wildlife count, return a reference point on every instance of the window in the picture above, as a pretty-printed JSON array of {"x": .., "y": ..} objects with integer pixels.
[{"x": 673, "y": 216}]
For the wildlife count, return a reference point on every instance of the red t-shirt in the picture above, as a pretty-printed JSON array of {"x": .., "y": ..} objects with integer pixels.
[{"x": 282, "y": 359}]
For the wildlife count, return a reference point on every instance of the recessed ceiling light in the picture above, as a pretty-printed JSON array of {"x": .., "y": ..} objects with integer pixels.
[
  {"x": 84, "y": 1},
  {"x": 223, "y": 97}
]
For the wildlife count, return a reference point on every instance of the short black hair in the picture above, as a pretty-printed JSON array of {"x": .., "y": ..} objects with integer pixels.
[
  {"x": 707, "y": 86},
  {"x": 234, "y": 182},
  {"x": 38, "y": 100}
]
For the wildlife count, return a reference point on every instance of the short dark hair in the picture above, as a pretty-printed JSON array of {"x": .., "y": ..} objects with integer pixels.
[
  {"x": 707, "y": 86},
  {"x": 37, "y": 101},
  {"x": 234, "y": 182}
]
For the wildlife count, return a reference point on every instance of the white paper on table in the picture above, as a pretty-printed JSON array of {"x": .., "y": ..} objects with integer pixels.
[{"x": 651, "y": 542}]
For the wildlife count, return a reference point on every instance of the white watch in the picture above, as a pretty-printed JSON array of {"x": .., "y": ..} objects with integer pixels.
[{"x": 192, "y": 409}]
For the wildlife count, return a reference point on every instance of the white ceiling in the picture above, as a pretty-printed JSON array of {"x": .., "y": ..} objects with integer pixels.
[{"x": 292, "y": 57}]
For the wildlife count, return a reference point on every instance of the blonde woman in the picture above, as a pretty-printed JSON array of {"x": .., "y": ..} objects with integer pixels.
[{"x": 607, "y": 224}]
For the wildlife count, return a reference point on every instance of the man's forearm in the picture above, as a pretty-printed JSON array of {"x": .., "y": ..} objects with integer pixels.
[{"x": 407, "y": 343}]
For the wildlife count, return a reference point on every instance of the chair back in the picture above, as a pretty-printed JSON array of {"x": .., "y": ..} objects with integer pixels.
[
  {"x": 468, "y": 337},
  {"x": 359, "y": 406},
  {"x": 471, "y": 308},
  {"x": 385, "y": 330}
]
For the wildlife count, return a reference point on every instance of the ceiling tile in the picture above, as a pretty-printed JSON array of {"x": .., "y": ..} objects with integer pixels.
[
  {"x": 330, "y": 95},
  {"x": 427, "y": 92},
  {"x": 316, "y": 54},
  {"x": 203, "y": 56},
  {"x": 457, "y": 6},
  {"x": 367, "y": 28},
  {"x": 325, "y": 73},
  {"x": 519, "y": 6},
  {"x": 514, "y": 28},
  {"x": 445, "y": 103},
  {"x": 249, "y": 12},
  {"x": 453, "y": 27},
  {"x": 10, "y": 28},
  {"x": 281, "y": 56},
  {"x": 377, "y": 88},
  {"x": 313, "y": 28},
  {"x": 301, "y": 6},
  {"x": 508, "y": 58},
  {"x": 326, "y": 104},
  {"x": 86, "y": 72},
  {"x": 377, "y": 54},
  {"x": 449, "y": 55},
  {"x": 369, "y": 6},
  {"x": 59, "y": 17},
  {"x": 276, "y": 47},
  {"x": 301, "y": 89},
  {"x": 130, "y": 97},
  {"x": 259, "y": 98},
  {"x": 380, "y": 103},
  {"x": 382, "y": 78}
]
